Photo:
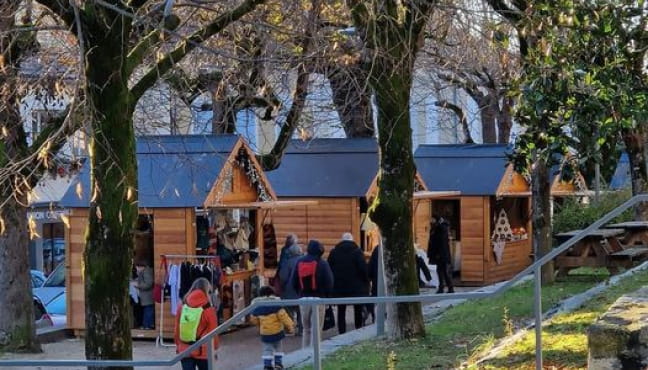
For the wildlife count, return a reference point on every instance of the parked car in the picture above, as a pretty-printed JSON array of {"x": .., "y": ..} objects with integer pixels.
[
  {"x": 52, "y": 292},
  {"x": 42, "y": 319},
  {"x": 37, "y": 278}
]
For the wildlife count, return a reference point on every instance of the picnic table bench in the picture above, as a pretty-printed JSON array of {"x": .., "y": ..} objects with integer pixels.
[{"x": 599, "y": 248}]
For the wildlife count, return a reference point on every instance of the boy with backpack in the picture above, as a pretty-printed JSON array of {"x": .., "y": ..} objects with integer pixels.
[
  {"x": 272, "y": 321},
  {"x": 312, "y": 277},
  {"x": 195, "y": 318}
]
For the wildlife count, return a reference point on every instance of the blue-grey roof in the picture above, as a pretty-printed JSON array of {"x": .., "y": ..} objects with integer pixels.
[
  {"x": 621, "y": 178},
  {"x": 326, "y": 168},
  {"x": 472, "y": 169},
  {"x": 173, "y": 171}
]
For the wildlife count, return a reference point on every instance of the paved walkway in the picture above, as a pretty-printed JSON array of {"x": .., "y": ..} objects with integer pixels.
[{"x": 239, "y": 349}]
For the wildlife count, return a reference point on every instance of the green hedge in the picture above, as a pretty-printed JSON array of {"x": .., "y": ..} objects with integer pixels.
[{"x": 572, "y": 215}]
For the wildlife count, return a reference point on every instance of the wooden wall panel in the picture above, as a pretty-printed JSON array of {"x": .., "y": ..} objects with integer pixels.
[
  {"x": 170, "y": 236},
  {"x": 326, "y": 221},
  {"x": 422, "y": 215},
  {"x": 472, "y": 238},
  {"x": 75, "y": 289}
]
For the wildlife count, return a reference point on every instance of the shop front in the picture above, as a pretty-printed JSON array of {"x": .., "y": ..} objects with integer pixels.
[{"x": 204, "y": 204}]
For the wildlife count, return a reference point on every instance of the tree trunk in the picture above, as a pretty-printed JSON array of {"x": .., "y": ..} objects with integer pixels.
[
  {"x": 505, "y": 121},
  {"x": 541, "y": 216},
  {"x": 488, "y": 121},
  {"x": 17, "y": 331},
  {"x": 462, "y": 118},
  {"x": 223, "y": 121},
  {"x": 352, "y": 99},
  {"x": 113, "y": 209},
  {"x": 635, "y": 143},
  {"x": 392, "y": 208}
]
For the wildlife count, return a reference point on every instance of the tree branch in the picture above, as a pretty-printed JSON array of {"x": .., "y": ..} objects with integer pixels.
[
  {"x": 272, "y": 160},
  {"x": 416, "y": 16},
  {"x": 139, "y": 51},
  {"x": 61, "y": 8},
  {"x": 462, "y": 118},
  {"x": 186, "y": 46},
  {"x": 508, "y": 13}
]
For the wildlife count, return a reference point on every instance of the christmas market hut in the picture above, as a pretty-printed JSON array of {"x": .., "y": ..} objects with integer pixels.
[
  {"x": 202, "y": 204},
  {"x": 340, "y": 176},
  {"x": 490, "y": 223}
]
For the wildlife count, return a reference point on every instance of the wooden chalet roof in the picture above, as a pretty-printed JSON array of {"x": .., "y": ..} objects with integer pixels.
[
  {"x": 326, "y": 168},
  {"x": 472, "y": 169},
  {"x": 173, "y": 171}
]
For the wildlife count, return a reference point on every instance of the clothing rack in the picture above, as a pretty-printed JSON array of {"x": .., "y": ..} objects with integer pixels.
[{"x": 159, "y": 341}]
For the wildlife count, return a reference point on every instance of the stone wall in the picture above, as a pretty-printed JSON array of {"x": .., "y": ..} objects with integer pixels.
[{"x": 619, "y": 338}]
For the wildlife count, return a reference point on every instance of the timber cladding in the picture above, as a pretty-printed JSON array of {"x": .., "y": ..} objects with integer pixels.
[
  {"x": 326, "y": 221},
  {"x": 173, "y": 233}
]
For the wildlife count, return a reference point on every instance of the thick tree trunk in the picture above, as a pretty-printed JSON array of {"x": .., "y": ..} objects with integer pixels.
[
  {"x": 541, "y": 216},
  {"x": 505, "y": 121},
  {"x": 352, "y": 99},
  {"x": 17, "y": 332},
  {"x": 392, "y": 209},
  {"x": 113, "y": 210},
  {"x": 635, "y": 143}
]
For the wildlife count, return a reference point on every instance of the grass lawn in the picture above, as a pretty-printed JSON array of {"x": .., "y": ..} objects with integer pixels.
[
  {"x": 460, "y": 332},
  {"x": 564, "y": 338}
]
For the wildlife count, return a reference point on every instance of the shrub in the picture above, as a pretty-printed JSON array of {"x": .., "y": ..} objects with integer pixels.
[{"x": 572, "y": 215}]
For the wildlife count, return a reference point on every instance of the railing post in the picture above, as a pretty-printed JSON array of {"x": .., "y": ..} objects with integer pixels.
[
  {"x": 537, "y": 308},
  {"x": 315, "y": 329},
  {"x": 380, "y": 309},
  {"x": 210, "y": 356}
]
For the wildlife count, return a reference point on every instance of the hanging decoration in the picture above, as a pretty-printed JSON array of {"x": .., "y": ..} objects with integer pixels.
[
  {"x": 253, "y": 175},
  {"x": 498, "y": 250},
  {"x": 503, "y": 231}
]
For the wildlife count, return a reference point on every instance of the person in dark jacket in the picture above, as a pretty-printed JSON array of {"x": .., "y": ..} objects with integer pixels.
[
  {"x": 291, "y": 240},
  {"x": 351, "y": 280},
  {"x": 288, "y": 291},
  {"x": 312, "y": 277},
  {"x": 439, "y": 252}
]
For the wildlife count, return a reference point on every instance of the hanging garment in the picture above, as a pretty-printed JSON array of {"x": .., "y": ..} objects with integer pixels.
[
  {"x": 174, "y": 283},
  {"x": 185, "y": 278},
  {"x": 202, "y": 229},
  {"x": 133, "y": 292},
  {"x": 269, "y": 246},
  {"x": 498, "y": 250},
  {"x": 242, "y": 240}
]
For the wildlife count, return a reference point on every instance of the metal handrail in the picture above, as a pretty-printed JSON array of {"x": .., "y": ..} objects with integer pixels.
[{"x": 312, "y": 301}]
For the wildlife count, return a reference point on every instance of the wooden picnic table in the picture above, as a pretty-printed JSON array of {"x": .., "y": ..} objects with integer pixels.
[
  {"x": 599, "y": 248},
  {"x": 636, "y": 232}
]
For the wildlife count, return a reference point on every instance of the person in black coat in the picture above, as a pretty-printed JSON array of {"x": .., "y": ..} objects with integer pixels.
[
  {"x": 373, "y": 277},
  {"x": 350, "y": 278},
  {"x": 439, "y": 252}
]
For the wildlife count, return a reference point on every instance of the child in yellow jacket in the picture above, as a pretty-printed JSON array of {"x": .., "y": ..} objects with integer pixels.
[{"x": 273, "y": 323}]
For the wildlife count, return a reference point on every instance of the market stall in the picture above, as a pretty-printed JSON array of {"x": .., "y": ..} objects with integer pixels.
[
  {"x": 340, "y": 176},
  {"x": 490, "y": 221},
  {"x": 198, "y": 195}
]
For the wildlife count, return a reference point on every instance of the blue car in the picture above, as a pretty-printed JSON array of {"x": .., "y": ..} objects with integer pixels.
[
  {"x": 52, "y": 292},
  {"x": 37, "y": 278}
]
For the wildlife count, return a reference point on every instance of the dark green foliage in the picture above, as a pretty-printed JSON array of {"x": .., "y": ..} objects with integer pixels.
[{"x": 573, "y": 215}]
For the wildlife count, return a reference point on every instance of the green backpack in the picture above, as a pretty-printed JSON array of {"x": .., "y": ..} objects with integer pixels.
[{"x": 189, "y": 321}]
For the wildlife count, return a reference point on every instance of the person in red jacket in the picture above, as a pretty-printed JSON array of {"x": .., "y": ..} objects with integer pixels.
[{"x": 198, "y": 296}]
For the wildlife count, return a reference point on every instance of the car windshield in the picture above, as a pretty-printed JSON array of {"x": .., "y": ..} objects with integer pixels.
[{"x": 56, "y": 278}]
